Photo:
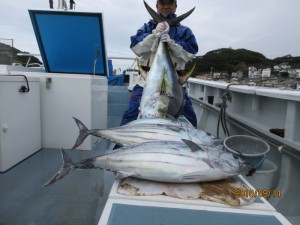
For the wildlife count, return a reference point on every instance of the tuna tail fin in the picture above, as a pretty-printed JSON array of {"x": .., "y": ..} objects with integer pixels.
[
  {"x": 176, "y": 20},
  {"x": 153, "y": 14},
  {"x": 171, "y": 22},
  {"x": 83, "y": 133},
  {"x": 183, "y": 80},
  {"x": 67, "y": 167}
]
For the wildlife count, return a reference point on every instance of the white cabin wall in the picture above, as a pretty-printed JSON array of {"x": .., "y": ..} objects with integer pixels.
[{"x": 67, "y": 96}]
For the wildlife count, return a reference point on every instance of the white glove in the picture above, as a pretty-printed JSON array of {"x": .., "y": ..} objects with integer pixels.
[
  {"x": 165, "y": 37},
  {"x": 162, "y": 27}
]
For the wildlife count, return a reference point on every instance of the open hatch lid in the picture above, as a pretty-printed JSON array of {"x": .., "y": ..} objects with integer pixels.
[{"x": 70, "y": 42}]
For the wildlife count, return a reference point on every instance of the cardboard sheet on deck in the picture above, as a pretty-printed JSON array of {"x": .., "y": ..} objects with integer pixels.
[{"x": 223, "y": 191}]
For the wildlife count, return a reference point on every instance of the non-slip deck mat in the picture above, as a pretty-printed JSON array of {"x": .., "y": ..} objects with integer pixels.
[{"x": 122, "y": 214}]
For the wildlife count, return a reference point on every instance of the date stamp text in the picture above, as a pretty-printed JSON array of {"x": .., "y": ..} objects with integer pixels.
[{"x": 251, "y": 193}]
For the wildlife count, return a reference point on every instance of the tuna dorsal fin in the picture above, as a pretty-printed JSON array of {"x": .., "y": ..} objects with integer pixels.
[
  {"x": 171, "y": 22},
  {"x": 183, "y": 80},
  {"x": 193, "y": 146}
]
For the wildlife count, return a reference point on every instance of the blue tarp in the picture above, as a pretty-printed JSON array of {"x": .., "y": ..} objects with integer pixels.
[{"x": 115, "y": 80}]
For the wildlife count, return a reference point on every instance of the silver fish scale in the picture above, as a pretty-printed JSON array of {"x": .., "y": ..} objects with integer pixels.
[
  {"x": 166, "y": 161},
  {"x": 150, "y": 129},
  {"x": 169, "y": 161},
  {"x": 137, "y": 133}
]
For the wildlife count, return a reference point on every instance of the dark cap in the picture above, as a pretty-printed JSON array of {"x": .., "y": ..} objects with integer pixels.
[{"x": 175, "y": 1}]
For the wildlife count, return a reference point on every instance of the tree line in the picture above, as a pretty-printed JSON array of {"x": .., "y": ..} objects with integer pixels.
[{"x": 228, "y": 60}]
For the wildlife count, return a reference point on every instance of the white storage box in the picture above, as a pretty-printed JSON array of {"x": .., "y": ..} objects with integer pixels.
[
  {"x": 20, "y": 122},
  {"x": 64, "y": 96}
]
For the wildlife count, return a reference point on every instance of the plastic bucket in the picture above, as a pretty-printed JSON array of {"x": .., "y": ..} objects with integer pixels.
[
  {"x": 253, "y": 150},
  {"x": 263, "y": 178}
]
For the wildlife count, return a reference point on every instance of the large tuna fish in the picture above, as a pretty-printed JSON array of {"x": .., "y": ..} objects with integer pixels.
[
  {"x": 164, "y": 161},
  {"x": 162, "y": 94},
  {"x": 150, "y": 129}
]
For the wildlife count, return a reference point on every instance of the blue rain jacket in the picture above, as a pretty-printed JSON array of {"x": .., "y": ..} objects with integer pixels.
[{"x": 181, "y": 35}]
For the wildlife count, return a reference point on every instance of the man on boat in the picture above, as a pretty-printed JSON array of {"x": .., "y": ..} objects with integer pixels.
[{"x": 182, "y": 45}]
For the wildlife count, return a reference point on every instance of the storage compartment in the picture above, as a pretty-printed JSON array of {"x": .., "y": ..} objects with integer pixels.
[
  {"x": 20, "y": 122},
  {"x": 67, "y": 96}
]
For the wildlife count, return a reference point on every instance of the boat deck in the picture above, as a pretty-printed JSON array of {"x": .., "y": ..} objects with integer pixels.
[{"x": 77, "y": 199}]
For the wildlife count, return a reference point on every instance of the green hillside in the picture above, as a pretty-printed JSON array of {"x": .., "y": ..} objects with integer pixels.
[
  {"x": 229, "y": 60},
  {"x": 8, "y": 55}
]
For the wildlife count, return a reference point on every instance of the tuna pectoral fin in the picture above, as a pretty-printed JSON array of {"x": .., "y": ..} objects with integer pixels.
[
  {"x": 183, "y": 80},
  {"x": 67, "y": 167},
  {"x": 83, "y": 133},
  {"x": 143, "y": 72},
  {"x": 193, "y": 146},
  {"x": 179, "y": 112}
]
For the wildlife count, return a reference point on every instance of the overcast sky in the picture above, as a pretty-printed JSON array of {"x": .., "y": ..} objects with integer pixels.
[{"x": 270, "y": 27}]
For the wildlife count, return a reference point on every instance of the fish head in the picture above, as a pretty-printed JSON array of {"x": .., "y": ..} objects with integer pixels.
[
  {"x": 154, "y": 105},
  {"x": 227, "y": 162},
  {"x": 162, "y": 94}
]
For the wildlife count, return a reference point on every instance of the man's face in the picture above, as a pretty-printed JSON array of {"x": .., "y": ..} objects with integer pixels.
[{"x": 165, "y": 7}]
